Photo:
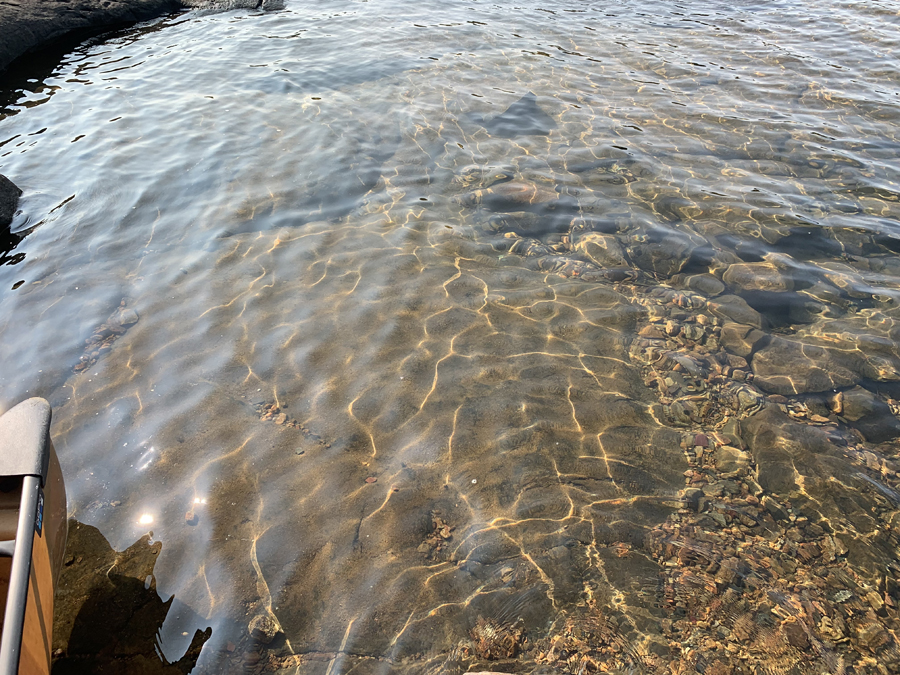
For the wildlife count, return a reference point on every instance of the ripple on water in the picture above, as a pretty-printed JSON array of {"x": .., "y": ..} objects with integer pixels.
[{"x": 561, "y": 339}]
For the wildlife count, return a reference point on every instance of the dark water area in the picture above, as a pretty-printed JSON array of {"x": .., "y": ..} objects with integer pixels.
[{"x": 549, "y": 337}]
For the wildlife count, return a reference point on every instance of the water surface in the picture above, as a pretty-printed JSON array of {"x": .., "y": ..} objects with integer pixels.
[{"x": 476, "y": 336}]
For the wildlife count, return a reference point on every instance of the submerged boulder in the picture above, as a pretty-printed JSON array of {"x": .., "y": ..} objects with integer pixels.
[
  {"x": 733, "y": 308},
  {"x": 603, "y": 249},
  {"x": 706, "y": 284},
  {"x": 762, "y": 276},
  {"x": 867, "y": 413},
  {"x": 790, "y": 367},
  {"x": 741, "y": 339}
]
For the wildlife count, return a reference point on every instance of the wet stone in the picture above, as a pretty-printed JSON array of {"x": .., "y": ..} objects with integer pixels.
[
  {"x": 127, "y": 316},
  {"x": 795, "y": 632},
  {"x": 602, "y": 249},
  {"x": 757, "y": 277},
  {"x": 730, "y": 460},
  {"x": 9, "y": 200},
  {"x": 665, "y": 258},
  {"x": 104, "y": 335},
  {"x": 869, "y": 414},
  {"x": 740, "y": 339},
  {"x": 734, "y": 308},
  {"x": 263, "y": 629},
  {"x": 772, "y": 506},
  {"x": 786, "y": 366},
  {"x": 706, "y": 284},
  {"x": 693, "y": 498}
]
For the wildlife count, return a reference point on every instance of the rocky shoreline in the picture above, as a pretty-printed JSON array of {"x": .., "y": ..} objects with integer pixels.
[{"x": 27, "y": 26}]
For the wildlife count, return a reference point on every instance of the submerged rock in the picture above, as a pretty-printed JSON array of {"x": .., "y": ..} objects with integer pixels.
[
  {"x": 762, "y": 276},
  {"x": 740, "y": 339},
  {"x": 512, "y": 196},
  {"x": 665, "y": 258},
  {"x": 705, "y": 283},
  {"x": 263, "y": 629},
  {"x": 868, "y": 414},
  {"x": 731, "y": 307},
  {"x": 523, "y": 118},
  {"x": 603, "y": 249},
  {"x": 785, "y": 450},
  {"x": 788, "y": 367}
]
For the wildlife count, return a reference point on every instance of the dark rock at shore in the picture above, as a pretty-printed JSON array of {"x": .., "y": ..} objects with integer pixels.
[
  {"x": 27, "y": 25},
  {"x": 9, "y": 200}
]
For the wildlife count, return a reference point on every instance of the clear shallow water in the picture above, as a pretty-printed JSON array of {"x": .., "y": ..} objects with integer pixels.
[{"x": 629, "y": 407}]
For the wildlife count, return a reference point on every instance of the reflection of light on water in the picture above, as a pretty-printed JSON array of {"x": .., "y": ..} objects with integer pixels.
[
  {"x": 198, "y": 500},
  {"x": 146, "y": 458},
  {"x": 145, "y": 519}
]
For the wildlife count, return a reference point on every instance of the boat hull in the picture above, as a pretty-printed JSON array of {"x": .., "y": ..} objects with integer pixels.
[{"x": 33, "y": 530}]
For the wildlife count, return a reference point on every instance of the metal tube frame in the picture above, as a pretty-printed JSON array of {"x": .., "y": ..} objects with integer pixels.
[{"x": 14, "y": 619}]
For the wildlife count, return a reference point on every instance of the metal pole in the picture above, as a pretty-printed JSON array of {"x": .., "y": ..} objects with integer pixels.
[{"x": 14, "y": 620}]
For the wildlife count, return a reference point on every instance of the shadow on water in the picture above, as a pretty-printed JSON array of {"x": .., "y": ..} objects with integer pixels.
[
  {"x": 109, "y": 617},
  {"x": 523, "y": 118}
]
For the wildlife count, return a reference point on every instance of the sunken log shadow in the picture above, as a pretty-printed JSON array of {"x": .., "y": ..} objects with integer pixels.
[{"x": 108, "y": 616}]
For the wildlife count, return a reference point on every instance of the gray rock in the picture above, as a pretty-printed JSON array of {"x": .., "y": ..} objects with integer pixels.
[
  {"x": 868, "y": 339},
  {"x": 790, "y": 367},
  {"x": 808, "y": 311},
  {"x": 9, "y": 200},
  {"x": 733, "y": 308},
  {"x": 26, "y": 25},
  {"x": 127, "y": 317}
]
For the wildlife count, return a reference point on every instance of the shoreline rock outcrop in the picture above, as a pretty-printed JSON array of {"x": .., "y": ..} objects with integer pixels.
[{"x": 28, "y": 25}]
